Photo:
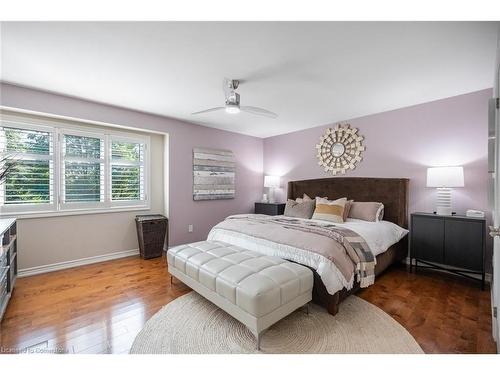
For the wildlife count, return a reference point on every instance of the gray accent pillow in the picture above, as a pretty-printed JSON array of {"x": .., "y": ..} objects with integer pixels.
[
  {"x": 302, "y": 210},
  {"x": 368, "y": 211}
]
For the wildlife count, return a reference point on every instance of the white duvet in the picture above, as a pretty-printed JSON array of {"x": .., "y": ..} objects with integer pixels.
[{"x": 378, "y": 235}]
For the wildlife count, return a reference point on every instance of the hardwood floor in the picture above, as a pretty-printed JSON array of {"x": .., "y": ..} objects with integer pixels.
[
  {"x": 98, "y": 308},
  {"x": 101, "y": 307},
  {"x": 444, "y": 313}
]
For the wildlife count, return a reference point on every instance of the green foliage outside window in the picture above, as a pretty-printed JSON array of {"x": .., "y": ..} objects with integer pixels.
[{"x": 30, "y": 181}]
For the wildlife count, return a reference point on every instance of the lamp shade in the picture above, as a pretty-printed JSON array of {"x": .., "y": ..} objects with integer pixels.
[
  {"x": 445, "y": 177},
  {"x": 272, "y": 181}
]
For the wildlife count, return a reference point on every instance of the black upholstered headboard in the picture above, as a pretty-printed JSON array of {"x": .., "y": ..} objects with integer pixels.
[{"x": 392, "y": 192}]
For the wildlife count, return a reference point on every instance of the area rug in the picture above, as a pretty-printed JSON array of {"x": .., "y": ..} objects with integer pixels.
[{"x": 191, "y": 324}]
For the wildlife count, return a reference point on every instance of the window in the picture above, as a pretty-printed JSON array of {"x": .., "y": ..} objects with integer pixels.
[
  {"x": 127, "y": 170},
  {"x": 32, "y": 181},
  {"x": 82, "y": 168},
  {"x": 68, "y": 168}
]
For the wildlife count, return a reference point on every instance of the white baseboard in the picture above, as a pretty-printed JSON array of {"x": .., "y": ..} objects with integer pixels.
[
  {"x": 75, "y": 263},
  {"x": 487, "y": 276}
]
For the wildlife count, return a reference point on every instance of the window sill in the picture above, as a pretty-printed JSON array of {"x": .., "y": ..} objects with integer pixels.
[{"x": 41, "y": 214}]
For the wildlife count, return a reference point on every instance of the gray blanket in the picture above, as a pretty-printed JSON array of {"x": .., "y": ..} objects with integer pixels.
[{"x": 345, "y": 248}]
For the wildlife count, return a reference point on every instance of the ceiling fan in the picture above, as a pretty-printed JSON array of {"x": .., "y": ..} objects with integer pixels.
[{"x": 233, "y": 102}]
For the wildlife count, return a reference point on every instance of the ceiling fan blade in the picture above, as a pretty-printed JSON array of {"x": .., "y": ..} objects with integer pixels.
[
  {"x": 208, "y": 110},
  {"x": 258, "y": 111}
]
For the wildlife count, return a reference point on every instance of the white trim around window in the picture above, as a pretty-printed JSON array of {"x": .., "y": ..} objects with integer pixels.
[{"x": 101, "y": 198}]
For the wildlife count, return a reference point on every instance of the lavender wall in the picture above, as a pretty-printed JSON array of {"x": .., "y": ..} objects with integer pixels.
[
  {"x": 399, "y": 143},
  {"x": 402, "y": 143},
  {"x": 183, "y": 137}
]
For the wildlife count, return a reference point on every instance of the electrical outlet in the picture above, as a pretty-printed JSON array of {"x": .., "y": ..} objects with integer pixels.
[{"x": 190, "y": 228}]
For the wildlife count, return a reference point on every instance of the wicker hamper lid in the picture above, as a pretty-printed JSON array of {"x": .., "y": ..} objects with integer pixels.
[{"x": 143, "y": 218}]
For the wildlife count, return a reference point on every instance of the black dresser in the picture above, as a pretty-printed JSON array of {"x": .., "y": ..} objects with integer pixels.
[
  {"x": 451, "y": 243},
  {"x": 8, "y": 261},
  {"x": 269, "y": 208}
]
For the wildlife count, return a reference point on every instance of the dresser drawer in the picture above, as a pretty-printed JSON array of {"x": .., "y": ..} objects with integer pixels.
[
  {"x": 3, "y": 263},
  {"x": 3, "y": 288}
]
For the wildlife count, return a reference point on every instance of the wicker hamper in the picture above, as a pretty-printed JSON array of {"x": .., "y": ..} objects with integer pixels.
[{"x": 151, "y": 233}]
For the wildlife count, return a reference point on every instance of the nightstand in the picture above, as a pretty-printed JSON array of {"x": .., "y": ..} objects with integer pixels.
[
  {"x": 452, "y": 243},
  {"x": 269, "y": 208}
]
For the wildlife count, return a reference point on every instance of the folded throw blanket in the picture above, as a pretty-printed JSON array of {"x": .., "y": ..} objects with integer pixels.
[{"x": 345, "y": 248}]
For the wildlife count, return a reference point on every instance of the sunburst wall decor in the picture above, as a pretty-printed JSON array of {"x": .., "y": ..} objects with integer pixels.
[{"x": 340, "y": 149}]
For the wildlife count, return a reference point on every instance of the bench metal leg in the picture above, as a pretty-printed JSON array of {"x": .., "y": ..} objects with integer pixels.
[{"x": 258, "y": 336}]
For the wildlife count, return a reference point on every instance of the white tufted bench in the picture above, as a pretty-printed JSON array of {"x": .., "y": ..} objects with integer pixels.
[{"x": 256, "y": 289}]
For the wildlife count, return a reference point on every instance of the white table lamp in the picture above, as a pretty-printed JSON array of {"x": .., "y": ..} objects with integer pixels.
[
  {"x": 271, "y": 182},
  {"x": 444, "y": 178}
]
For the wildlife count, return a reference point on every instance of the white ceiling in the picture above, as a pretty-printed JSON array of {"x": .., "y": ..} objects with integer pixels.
[{"x": 310, "y": 73}]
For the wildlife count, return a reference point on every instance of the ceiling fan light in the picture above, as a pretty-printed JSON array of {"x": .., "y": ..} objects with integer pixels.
[{"x": 233, "y": 109}]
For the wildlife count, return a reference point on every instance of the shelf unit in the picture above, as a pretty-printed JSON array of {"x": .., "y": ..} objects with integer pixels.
[{"x": 8, "y": 261}]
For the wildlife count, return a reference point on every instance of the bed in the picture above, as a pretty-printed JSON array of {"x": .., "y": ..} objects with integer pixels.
[{"x": 330, "y": 288}]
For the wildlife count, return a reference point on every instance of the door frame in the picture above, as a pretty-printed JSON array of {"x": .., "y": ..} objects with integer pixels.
[{"x": 495, "y": 283}]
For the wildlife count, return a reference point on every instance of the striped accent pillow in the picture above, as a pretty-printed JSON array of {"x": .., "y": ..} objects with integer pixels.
[{"x": 330, "y": 210}]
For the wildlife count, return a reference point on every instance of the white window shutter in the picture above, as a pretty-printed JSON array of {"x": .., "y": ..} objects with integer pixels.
[
  {"x": 32, "y": 179},
  {"x": 82, "y": 169},
  {"x": 127, "y": 170}
]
